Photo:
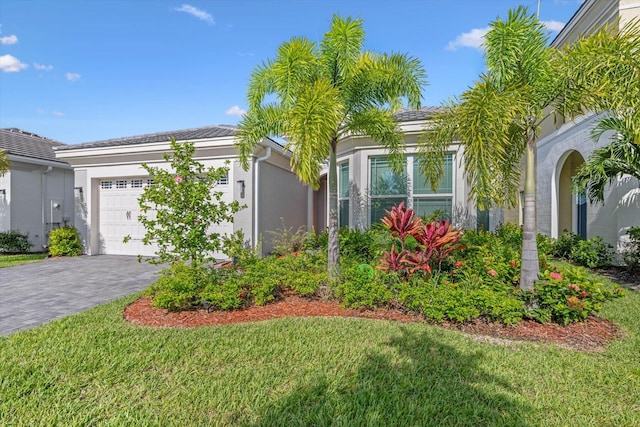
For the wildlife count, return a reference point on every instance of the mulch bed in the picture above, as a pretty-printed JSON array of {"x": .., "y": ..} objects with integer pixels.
[{"x": 591, "y": 335}]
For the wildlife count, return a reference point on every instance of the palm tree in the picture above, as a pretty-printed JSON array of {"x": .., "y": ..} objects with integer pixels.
[
  {"x": 497, "y": 120},
  {"x": 4, "y": 162},
  {"x": 315, "y": 95},
  {"x": 605, "y": 73},
  {"x": 620, "y": 157}
]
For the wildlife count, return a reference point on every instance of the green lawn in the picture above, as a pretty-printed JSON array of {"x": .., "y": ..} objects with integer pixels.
[
  {"x": 96, "y": 369},
  {"x": 11, "y": 260}
]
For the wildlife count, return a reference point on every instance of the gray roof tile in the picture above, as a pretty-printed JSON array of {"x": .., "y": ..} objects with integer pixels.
[
  {"x": 21, "y": 143},
  {"x": 179, "y": 135},
  {"x": 409, "y": 115}
]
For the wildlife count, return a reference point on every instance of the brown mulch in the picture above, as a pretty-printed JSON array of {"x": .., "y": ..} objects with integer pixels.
[{"x": 592, "y": 335}]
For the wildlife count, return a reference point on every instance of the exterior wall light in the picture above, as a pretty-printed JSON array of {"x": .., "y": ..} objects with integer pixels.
[{"x": 240, "y": 187}]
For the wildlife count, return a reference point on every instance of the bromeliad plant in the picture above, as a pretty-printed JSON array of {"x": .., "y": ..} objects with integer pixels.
[{"x": 423, "y": 247}]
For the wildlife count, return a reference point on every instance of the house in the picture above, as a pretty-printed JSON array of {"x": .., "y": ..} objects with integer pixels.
[
  {"x": 36, "y": 194},
  {"x": 367, "y": 186},
  {"x": 562, "y": 149},
  {"x": 109, "y": 179}
]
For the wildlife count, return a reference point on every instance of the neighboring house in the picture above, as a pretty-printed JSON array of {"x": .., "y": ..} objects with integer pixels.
[
  {"x": 367, "y": 186},
  {"x": 562, "y": 149},
  {"x": 36, "y": 194},
  {"x": 109, "y": 179}
]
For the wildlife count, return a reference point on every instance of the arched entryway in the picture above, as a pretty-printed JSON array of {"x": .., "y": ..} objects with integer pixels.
[{"x": 571, "y": 208}]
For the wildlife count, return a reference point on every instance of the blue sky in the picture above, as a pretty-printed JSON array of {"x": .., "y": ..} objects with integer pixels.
[{"x": 79, "y": 71}]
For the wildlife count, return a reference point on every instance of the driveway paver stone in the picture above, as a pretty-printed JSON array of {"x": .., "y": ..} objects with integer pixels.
[{"x": 37, "y": 293}]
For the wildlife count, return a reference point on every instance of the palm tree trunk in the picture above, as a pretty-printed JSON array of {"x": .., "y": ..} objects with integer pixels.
[
  {"x": 530, "y": 267},
  {"x": 333, "y": 250}
]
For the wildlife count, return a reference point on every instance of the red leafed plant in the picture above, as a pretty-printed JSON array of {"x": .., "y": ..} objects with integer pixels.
[
  {"x": 402, "y": 222},
  {"x": 393, "y": 260},
  {"x": 439, "y": 239},
  {"x": 436, "y": 240}
]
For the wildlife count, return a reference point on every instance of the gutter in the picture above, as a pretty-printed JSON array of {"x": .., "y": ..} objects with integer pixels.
[
  {"x": 43, "y": 187},
  {"x": 255, "y": 197}
]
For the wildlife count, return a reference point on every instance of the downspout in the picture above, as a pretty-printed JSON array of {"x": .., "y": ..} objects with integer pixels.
[
  {"x": 256, "y": 233},
  {"x": 43, "y": 181}
]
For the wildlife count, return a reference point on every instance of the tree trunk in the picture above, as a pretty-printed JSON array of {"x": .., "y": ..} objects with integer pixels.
[
  {"x": 333, "y": 250},
  {"x": 530, "y": 268}
]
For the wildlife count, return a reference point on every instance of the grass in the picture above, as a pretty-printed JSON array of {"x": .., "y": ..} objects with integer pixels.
[
  {"x": 96, "y": 369},
  {"x": 12, "y": 260}
]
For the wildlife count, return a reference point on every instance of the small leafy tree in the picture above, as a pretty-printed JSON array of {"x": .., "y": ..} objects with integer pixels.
[
  {"x": 179, "y": 210},
  {"x": 4, "y": 162}
]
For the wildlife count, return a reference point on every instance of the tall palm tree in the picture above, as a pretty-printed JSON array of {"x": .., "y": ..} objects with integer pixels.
[
  {"x": 497, "y": 120},
  {"x": 4, "y": 162},
  {"x": 315, "y": 95}
]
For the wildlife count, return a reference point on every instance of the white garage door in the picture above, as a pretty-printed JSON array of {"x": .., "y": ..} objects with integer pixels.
[{"x": 119, "y": 212}]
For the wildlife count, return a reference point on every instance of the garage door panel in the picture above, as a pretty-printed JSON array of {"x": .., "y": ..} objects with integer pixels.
[{"x": 119, "y": 211}]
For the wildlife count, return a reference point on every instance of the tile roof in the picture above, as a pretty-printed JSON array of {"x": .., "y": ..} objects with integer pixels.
[
  {"x": 409, "y": 115},
  {"x": 26, "y": 144},
  {"x": 179, "y": 135}
]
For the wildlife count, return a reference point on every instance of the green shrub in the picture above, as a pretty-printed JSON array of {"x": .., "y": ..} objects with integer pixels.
[
  {"x": 65, "y": 241},
  {"x": 286, "y": 241},
  {"x": 227, "y": 294},
  {"x": 359, "y": 288},
  {"x": 631, "y": 251},
  {"x": 564, "y": 244},
  {"x": 14, "y": 242},
  {"x": 592, "y": 253},
  {"x": 568, "y": 296},
  {"x": 179, "y": 287}
]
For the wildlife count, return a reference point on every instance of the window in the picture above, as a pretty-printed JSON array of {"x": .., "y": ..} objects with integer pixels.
[
  {"x": 106, "y": 185},
  {"x": 121, "y": 184},
  {"x": 150, "y": 182},
  {"x": 427, "y": 202},
  {"x": 388, "y": 188},
  {"x": 224, "y": 180},
  {"x": 136, "y": 183},
  {"x": 343, "y": 194}
]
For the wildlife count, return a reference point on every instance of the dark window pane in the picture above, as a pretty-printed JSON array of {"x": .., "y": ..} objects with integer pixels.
[
  {"x": 379, "y": 206},
  {"x": 430, "y": 206},
  {"x": 445, "y": 185},
  {"x": 384, "y": 180},
  {"x": 343, "y": 213}
]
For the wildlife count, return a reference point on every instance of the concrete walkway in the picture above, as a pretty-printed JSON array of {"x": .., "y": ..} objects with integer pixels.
[{"x": 33, "y": 294}]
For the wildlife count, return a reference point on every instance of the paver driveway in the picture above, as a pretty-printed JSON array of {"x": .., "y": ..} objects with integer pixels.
[{"x": 33, "y": 294}]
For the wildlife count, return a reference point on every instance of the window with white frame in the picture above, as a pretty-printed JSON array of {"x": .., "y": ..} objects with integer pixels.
[
  {"x": 106, "y": 185},
  {"x": 121, "y": 183},
  {"x": 136, "y": 183},
  {"x": 343, "y": 194},
  {"x": 388, "y": 188}
]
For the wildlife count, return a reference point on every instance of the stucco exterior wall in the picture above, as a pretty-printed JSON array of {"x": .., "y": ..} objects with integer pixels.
[
  {"x": 282, "y": 197},
  {"x": 610, "y": 220},
  {"x": 5, "y": 198},
  {"x": 28, "y": 205}
]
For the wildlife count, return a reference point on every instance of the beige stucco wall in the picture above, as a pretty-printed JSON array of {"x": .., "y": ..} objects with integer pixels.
[{"x": 24, "y": 206}]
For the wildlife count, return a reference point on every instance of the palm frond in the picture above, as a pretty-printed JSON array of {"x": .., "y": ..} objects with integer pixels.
[
  {"x": 380, "y": 125},
  {"x": 256, "y": 124},
  {"x": 311, "y": 125},
  {"x": 341, "y": 48}
]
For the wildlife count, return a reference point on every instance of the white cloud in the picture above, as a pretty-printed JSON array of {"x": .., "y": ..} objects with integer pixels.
[
  {"x": 57, "y": 113},
  {"x": 72, "y": 77},
  {"x": 473, "y": 38},
  {"x": 11, "y": 64},
  {"x": 42, "y": 67},
  {"x": 553, "y": 25},
  {"x": 235, "y": 111},
  {"x": 198, "y": 13},
  {"x": 12, "y": 39},
  {"x": 40, "y": 111}
]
